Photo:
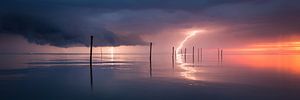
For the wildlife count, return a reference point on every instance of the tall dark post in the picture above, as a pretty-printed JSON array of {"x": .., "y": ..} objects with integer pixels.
[
  {"x": 173, "y": 56},
  {"x": 198, "y": 55},
  {"x": 218, "y": 54},
  {"x": 91, "y": 66},
  {"x": 181, "y": 52},
  {"x": 173, "y": 52},
  {"x": 150, "y": 58},
  {"x": 201, "y": 55},
  {"x": 221, "y": 55},
  {"x": 184, "y": 54},
  {"x": 193, "y": 54}
]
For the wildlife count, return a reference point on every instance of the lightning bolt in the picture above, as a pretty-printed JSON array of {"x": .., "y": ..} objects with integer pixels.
[{"x": 191, "y": 34}]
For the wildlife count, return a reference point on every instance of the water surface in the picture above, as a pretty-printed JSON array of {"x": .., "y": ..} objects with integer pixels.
[{"x": 51, "y": 76}]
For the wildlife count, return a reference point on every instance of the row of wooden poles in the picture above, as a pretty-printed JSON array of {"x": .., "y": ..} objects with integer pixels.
[{"x": 199, "y": 56}]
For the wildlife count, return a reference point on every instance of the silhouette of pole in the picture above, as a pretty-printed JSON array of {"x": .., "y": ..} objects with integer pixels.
[
  {"x": 150, "y": 51},
  {"x": 173, "y": 53},
  {"x": 91, "y": 59},
  {"x": 193, "y": 54},
  {"x": 184, "y": 54},
  {"x": 218, "y": 54},
  {"x": 181, "y": 52},
  {"x": 173, "y": 57},
  {"x": 201, "y": 55},
  {"x": 221, "y": 55},
  {"x": 150, "y": 58},
  {"x": 198, "y": 55}
]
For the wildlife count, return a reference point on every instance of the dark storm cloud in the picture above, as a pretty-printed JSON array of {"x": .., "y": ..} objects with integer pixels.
[
  {"x": 43, "y": 32},
  {"x": 126, "y": 4},
  {"x": 47, "y": 24}
]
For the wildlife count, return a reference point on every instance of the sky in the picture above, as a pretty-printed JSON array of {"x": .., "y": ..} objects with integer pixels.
[{"x": 66, "y": 25}]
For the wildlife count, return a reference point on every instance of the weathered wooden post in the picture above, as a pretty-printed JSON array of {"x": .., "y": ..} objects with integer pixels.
[
  {"x": 173, "y": 52},
  {"x": 198, "y": 55},
  {"x": 173, "y": 56},
  {"x": 218, "y": 54},
  {"x": 184, "y": 54},
  {"x": 193, "y": 54},
  {"x": 201, "y": 55},
  {"x": 221, "y": 55},
  {"x": 150, "y": 58},
  {"x": 91, "y": 59},
  {"x": 181, "y": 53}
]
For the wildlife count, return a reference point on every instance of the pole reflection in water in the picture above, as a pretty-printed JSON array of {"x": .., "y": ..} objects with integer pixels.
[
  {"x": 189, "y": 71},
  {"x": 91, "y": 62}
]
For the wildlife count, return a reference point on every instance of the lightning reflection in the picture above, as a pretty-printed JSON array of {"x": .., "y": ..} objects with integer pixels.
[{"x": 188, "y": 71}]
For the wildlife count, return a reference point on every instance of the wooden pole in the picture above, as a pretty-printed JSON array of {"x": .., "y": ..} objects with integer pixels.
[
  {"x": 150, "y": 58},
  {"x": 221, "y": 55},
  {"x": 184, "y": 54},
  {"x": 91, "y": 59},
  {"x": 181, "y": 53},
  {"x": 173, "y": 56},
  {"x": 218, "y": 54},
  {"x": 193, "y": 54},
  {"x": 173, "y": 52},
  {"x": 91, "y": 52},
  {"x": 150, "y": 51},
  {"x": 198, "y": 55},
  {"x": 201, "y": 55}
]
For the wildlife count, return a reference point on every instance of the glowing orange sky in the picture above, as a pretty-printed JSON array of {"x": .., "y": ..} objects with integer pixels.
[
  {"x": 277, "y": 48},
  {"x": 286, "y": 63}
]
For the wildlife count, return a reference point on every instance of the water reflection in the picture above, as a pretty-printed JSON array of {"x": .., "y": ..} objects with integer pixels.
[
  {"x": 112, "y": 54},
  {"x": 189, "y": 71},
  {"x": 53, "y": 75}
]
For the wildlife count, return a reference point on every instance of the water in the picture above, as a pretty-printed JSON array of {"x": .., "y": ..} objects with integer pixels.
[{"x": 129, "y": 77}]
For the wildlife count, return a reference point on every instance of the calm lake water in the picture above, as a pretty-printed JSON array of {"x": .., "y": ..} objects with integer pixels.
[{"x": 129, "y": 77}]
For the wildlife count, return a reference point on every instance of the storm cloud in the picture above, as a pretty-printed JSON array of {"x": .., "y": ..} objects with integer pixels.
[{"x": 44, "y": 32}]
